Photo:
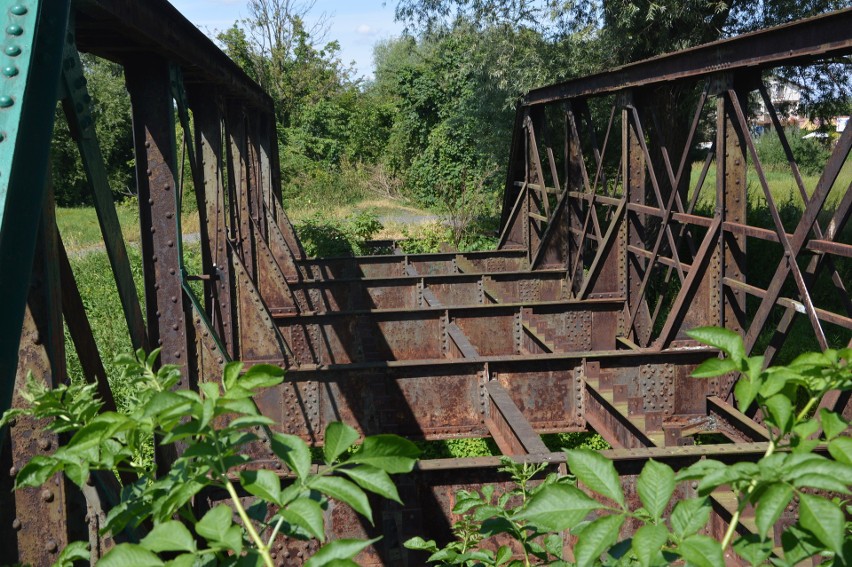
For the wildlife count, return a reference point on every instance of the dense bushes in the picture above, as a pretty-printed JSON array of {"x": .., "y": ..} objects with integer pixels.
[{"x": 810, "y": 153}]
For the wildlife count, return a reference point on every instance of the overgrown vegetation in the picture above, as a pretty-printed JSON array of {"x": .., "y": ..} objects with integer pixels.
[
  {"x": 215, "y": 425},
  {"x": 535, "y": 513}
]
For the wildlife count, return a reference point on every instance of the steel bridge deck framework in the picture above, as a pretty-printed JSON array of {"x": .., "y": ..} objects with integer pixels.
[{"x": 575, "y": 322}]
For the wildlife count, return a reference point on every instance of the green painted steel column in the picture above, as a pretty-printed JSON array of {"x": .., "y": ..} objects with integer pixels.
[{"x": 30, "y": 61}]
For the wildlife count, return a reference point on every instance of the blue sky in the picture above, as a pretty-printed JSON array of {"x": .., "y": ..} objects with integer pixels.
[{"x": 356, "y": 24}]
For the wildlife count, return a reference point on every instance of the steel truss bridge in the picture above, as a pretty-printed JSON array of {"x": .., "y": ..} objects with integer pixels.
[{"x": 577, "y": 320}]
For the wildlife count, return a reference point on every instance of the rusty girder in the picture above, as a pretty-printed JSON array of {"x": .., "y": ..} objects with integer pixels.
[{"x": 576, "y": 322}]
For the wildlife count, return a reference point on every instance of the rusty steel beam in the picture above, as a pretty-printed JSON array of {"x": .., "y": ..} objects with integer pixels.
[
  {"x": 789, "y": 44},
  {"x": 508, "y": 427},
  {"x": 116, "y": 28},
  {"x": 37, "y": 523}
]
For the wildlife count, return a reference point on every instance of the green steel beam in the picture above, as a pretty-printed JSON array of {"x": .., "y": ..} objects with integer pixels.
[
  {"x": 30, "y": 61},
  {"x": 76, "y": 103}
]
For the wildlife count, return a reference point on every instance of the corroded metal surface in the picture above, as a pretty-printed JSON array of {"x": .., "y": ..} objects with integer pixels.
[{"x": 607, "y": 255}]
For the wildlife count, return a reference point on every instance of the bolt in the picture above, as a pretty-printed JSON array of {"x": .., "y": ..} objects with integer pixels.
[
  {"x": 47, "y": 495},
  {"x": 19, "y": 9},
  {"x": 14, "y": 29},
  {"x": 51, "y": 546},
  {"x": 16, "y": 524},
  {"x": 10, "y": 71},
  {"x": 13, "y": 471},
  {"x": 13, "y": 51},
  {"x": 6, "y": 101}
]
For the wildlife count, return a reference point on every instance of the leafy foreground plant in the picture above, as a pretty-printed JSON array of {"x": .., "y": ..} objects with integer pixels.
[
  {"x": 536, "y": 516},
  {"x": 214, "y": 425}
]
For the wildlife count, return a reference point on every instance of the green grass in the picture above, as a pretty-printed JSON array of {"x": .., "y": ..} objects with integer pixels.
[
  {"x": 97, "y": 287},
  {"x": 781, "y": 183},
  {"x": 81, "y": 231}
]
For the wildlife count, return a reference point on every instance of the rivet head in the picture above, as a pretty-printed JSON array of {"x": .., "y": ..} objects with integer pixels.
[
  {"x": 19, "y": 9},
  {"x": 44, "y": 444},
  {"x": 13, "y": 51},
  {"x": 14, "y": 29},
  {"x": 16, "y": 524},
  {"x": 10, "y": 71},
  {"x": 47, "y": 495},
  {"x": 13, "y": 471},
  {"x": 51, "y": 546},
  {"x": 6, "y": 101}
]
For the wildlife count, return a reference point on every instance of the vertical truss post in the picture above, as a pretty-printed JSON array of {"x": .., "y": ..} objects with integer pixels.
[
  {"x": 210, "y": 194},
  {"x": 149, "y": 85},
  {"x": 148, "y": 82},
  {"x": 574, "y": 177},
  {"x": 633, "y": 167},
  {"x": 44, "y": 520},
  {"x": 732, "y": 196},
  {"x": 239, "y": 179},
  {"x": 27, "y": 102}
]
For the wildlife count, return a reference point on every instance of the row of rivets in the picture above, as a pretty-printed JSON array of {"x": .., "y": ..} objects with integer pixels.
[{"x": 11, "y": 70}]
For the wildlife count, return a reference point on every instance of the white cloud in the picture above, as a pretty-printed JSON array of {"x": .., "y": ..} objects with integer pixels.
[{"x": 364, "y": 29}]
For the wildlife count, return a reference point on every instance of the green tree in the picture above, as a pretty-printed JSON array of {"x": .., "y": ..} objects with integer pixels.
[{"x": 110, "y": 106}]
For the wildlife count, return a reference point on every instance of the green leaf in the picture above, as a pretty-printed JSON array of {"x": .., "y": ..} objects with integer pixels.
[
  {"x": 648, "y": 542},
  {"x": 799, "y": 544},
  {"x": 375, "y": 480},
  {"x": 183, "y": 560},
  {"x": 250, "y": 421},
  {"x": 770, "y": 505},
  {"x": 306, "y": 514},
  {"x": 261, "y": 376},
  {"x": 169, "y": 536},
  {"x": 339, "y": 549},
  {"x": 596, "y": 538},
  {"x": 338, "y": 438},
  {"x": 557, "y": 507},
  {"x": 754, "y": 549},
  {"x": 841, "y": 449},
  {"x": 165, "y": 405},
  {"x": 713, "y": 367},
  {"x": 344, "y": 491},
  {"x": 701, "y": 551},
  {"x": 129, "y": 555},
  {"x": 232, "y": 540},
  {"x": 504, "y": 555},
  {"x": 823, "y": 482},
  {"x": 832, "y": 423},
  {"x": 74, "y": 551},
  {"x": 824, "y": 519},
  {"x": 738, "y": 472},
  {"x": 655, "y": 486},
  {"x": 231, "y": 374},
  {"x": 420, "y": 544},
  {"x": 447, "y": 556},
  {"x": 263, "y": 484},
  {"x": 294, "y": 452},
  {"x": 391, "y": 453},
  {"x": 723, "y": 339},
  {"x": 215, "y": 523},
  {"x": 745, "y": 391},
  {"x": 464, "y": 506},
  {"x": 37, "y": 471},
  {"x": 553, "y": 544},
  {"x": 781, "y": 411},
  {"x": 596, "y": 472},
  {"x": 689, "y": 516},
  {"x": 699, "y": 469}
]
